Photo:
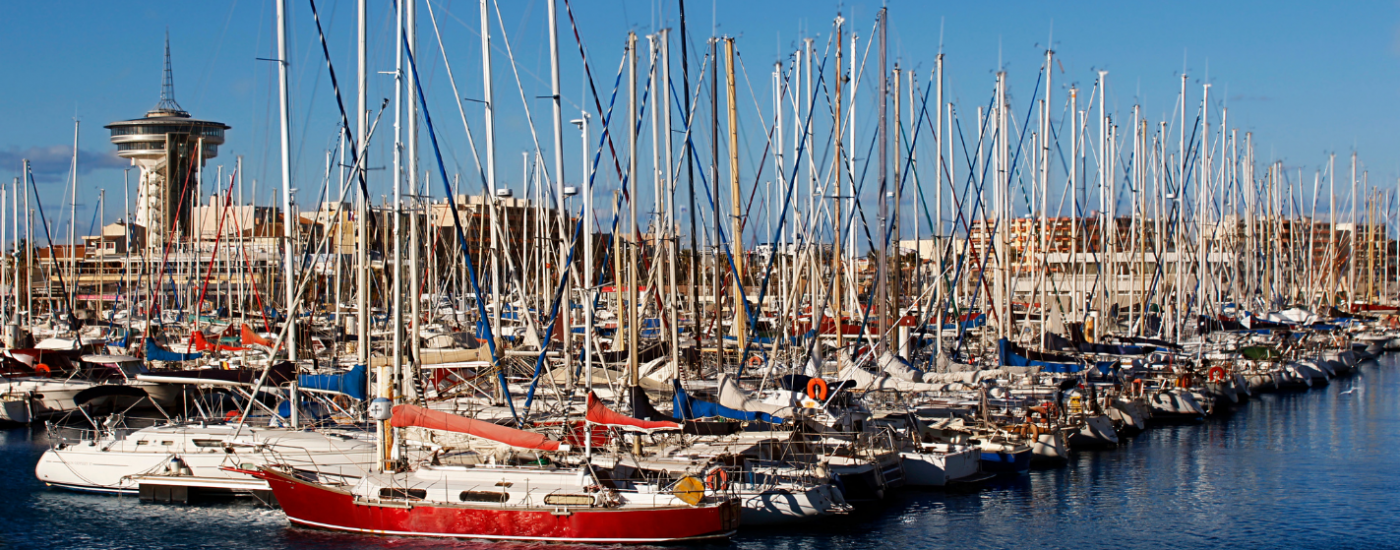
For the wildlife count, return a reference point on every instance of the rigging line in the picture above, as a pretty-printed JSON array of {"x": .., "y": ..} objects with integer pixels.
[
  {"x": 457, "y": 98},
  {"x": 762, "y": 163},
  {"x": 461, "y": 238},
  {"x": 592, "y": 88},
  {"x": 473, "y": 30},
  {"x": 1176, "y": 214},
  {"x": 598, "y": 105},
  {"x": 62, "y": 286},
  {"x": 559, "y": 290},
  {"x": 984, "y": 256},
  {"x": 865, "y": 317},
  {"x": 529, "y": 120},
  {"x": 787, "y": 202},
  {"x": 922, "y": 196},
  {"x": 958, "y": 204},
  {"x": 165, "y": 255},
  {"x": 214, "y": 254},
  {"x": 302, "y": 285},
  {"x": 344, "y": 119}
]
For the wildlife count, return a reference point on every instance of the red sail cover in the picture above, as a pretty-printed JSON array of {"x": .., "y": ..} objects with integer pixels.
[
  {"x": 202, "y": 344},
  {"x": 411, "y": 415},
  {"x": 250, "y": 337},
  {"x": 598, "y": 413}
]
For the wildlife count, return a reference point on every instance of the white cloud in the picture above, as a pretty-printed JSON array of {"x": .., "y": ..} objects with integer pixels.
[{"x": 53, "y": 162}]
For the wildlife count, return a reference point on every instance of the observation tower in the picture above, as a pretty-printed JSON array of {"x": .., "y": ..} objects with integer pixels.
[{"x": 170, "y": 148}]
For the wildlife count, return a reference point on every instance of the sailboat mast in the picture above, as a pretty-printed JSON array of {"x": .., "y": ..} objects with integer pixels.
[
  {"x": 490, "y": 122},
  {"x": 629, "y": 279},
  {"x": 563, "y": 212},
  {"x": 894, "y": 278},
  {"x": 693, "y": 279},
  {"x": 669, "y": 190},
  {"x": 73, "y": 221},
  {"x": 882, "y": 267},
  {"x": 285, "y": 141},
  {"x": 1351, "y": 241},
  {"x": 1045, "y": 196},
  {"x": 414, "y": 261},
  {"x": 396, "y": 182},
  {"x": 633, "y": 308},
  {"x": 362, "y": 214},
  {"x": 735, "y": 200},
  {"x": 714, "y": 184},
  {"x": 937, "y": 230},
  {"x": 839, "y": 169},
  {"x": 588, "y": 277}
]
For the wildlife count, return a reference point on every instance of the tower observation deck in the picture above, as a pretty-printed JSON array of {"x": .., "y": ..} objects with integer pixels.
[{"x": 169, "y": 147}]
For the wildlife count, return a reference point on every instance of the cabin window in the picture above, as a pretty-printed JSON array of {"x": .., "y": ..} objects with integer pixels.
[
  {"x": 506, "y": 484},
  {"x": 167, "y": 443},
  {"x": 207, "y": 443},
  {"x": 143, "y": 442},
  {"x": 483, "y": 496},
  {"x": 397, "y": 493},
  {"x": 569, "y": 500}
]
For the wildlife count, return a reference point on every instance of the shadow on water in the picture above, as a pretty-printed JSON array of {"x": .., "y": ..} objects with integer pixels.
[{"x": 1314, "y": 469}]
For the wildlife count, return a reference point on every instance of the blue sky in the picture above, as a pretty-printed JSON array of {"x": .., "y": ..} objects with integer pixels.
[{"x": 1306, "y": 78}]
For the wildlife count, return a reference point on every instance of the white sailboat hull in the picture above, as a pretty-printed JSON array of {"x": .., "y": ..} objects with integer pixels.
[
  {"x": 787, "y": 504},
  {"x": 933, "y": 468}
]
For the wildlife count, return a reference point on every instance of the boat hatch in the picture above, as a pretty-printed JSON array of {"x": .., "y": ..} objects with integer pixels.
[
  {"x": 569, "y": 500},
  {"x": 484, "y": 496},
  {"x": 397, "y": 493}
]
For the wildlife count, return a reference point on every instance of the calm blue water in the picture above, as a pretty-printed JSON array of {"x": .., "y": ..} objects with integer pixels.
[{"x": 1309, "y": 470}]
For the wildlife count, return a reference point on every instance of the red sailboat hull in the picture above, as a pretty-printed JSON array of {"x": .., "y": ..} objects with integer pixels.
[{"x": 319, "y": 506}]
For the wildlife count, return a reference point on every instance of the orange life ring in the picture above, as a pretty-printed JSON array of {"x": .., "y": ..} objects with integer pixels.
[
  {"x": 231, "y": 415},
  {"x": 755, "y": 361},
  {"x": 42, "y": 369},
  {"x": 1216, "y": 374},
  {"x": 817, "y": 386},
  {"x": 717, "y": 479}
]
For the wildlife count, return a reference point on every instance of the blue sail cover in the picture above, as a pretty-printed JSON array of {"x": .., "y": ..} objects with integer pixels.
[
  {"x": 352, "y": 382},
  {"x": 689, "y": 408},
  {"x": 1012, "y": 359},
  {"x": 156, "y": 353},
  {"x": 975, "y": 322},
  {"x": 1115, "y": 349}
]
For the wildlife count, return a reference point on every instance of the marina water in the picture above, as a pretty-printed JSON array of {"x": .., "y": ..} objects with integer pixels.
[{"x": 1315, "y": 469}]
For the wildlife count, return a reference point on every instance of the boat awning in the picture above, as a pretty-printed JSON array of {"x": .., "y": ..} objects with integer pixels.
[
  {"x": 1013, "y": 356},
  {"x": 406, "y": 416},
  {"x": 689, "y": 408},
  {"x": 352, "y": 382},
  {"x": 598, "y": 413},
  {"x": 280, "y": 373},
  {"x": 156, "y": 353},
  {"x": 107, "y": 390}
]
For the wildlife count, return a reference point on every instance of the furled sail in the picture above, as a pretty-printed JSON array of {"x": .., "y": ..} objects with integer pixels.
[
  {"x": 406, "y": 415},
  {"x": 598, "y": 413},
  {"x": 250, "y": 337}
]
